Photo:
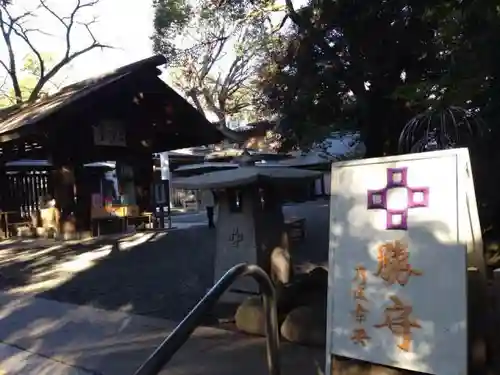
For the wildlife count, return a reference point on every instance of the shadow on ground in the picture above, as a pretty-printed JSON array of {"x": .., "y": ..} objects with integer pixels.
[
  {"x": 153, "y": 274},
  {"x": 71, "y": 340},
  {"x": 163, "y": 274}
]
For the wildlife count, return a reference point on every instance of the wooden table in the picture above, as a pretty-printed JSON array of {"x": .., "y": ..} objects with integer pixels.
[
  {"x": 99, "y": 220},
  {"x": 123, "y": 219}
]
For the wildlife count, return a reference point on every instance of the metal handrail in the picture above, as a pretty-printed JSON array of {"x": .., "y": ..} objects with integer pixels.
[{"x": 162, "y": 355}]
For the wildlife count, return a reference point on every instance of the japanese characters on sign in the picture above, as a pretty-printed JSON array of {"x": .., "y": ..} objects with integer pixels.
[
  {"x": 394, "y": 267},
  {"x": 359, "y": 334},
  {"x": 109, "y": 134},
  {"x": 398, "y": 319},
  {"x": 393, "y": 263}
]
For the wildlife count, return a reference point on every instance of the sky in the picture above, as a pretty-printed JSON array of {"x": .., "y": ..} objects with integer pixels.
[{"x": 124, "y": 24}]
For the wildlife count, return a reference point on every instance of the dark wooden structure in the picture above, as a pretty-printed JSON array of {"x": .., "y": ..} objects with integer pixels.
[
  {"x": 125, "y": 116},
  {"x": 25, "y": 184}
]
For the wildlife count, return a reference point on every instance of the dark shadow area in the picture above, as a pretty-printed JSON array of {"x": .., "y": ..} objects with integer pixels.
[
  {"x": 162, "y": 277},
  {"x": 162, "y": 274},
  {"x": 313, "y": 251}
]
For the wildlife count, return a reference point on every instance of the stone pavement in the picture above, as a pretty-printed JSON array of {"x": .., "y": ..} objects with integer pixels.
[
  {"x": 161, "y": 274},
  {"x": 14, "y": 360},
  {"x": 154, "y": 279},
  {"x": 43, "y": 337}
]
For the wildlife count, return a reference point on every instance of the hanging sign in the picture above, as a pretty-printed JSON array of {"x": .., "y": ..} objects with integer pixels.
[{"x": 109, "y": 133}]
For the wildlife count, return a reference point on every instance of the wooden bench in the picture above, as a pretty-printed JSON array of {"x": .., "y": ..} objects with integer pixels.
[
  {"x": 143, "y": 221},
  {"x": 120, "y": 224}
]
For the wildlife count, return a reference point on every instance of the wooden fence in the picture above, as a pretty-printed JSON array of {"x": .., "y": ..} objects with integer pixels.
[{"x": 24, "y": 190}]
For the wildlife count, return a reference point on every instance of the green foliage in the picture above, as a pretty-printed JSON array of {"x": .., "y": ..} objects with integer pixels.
[
  {"x": 28, "y": 78},
  {"x": 378, "y": 64},
  {"x": 170, "y": 19},
  {"x": 31, "y": 64},
  {"x": 342, "y": 64}
]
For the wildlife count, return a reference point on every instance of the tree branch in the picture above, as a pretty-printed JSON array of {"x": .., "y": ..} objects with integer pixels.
[
  {"x": 7, "y": 23},
  {"x": 69, "y": 55},
  {"x": 23, "y": 34}
]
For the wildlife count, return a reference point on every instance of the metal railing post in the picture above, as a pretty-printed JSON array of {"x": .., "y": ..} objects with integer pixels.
[{"x": 166, "y": 350}]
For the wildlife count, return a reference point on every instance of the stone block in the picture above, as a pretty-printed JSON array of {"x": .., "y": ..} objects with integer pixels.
[
  {"x": 250, "y": 316},
  {"x": 306, "y": 325}
]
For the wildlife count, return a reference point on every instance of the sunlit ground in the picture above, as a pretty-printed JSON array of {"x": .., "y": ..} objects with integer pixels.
[
  {"x": 51, "y": 265},
  {"x": 161, "y": 274}
]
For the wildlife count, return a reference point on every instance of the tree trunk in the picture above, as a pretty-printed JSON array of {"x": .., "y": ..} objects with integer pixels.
[{"x": 382, "y": 127}]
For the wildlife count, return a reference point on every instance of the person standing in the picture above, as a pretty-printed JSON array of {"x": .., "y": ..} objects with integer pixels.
[{"x": 208, "y": 201}]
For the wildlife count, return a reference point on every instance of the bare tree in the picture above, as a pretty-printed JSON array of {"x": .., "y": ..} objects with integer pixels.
[
  {"x": 14, "y": 26},
  {"x": 216, "y": 65},
  {"x": 225, "y": 91}
]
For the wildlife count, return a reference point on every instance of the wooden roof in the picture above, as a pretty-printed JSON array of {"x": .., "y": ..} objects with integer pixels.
[
  {"x": 246, "y": 175},
  {"x": 186, "y": 128}
]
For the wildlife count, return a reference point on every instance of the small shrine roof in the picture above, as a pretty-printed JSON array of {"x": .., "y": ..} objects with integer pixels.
[{"x": 245, "y": 175}]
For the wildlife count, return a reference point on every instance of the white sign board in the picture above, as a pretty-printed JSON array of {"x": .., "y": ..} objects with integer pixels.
[{"x": 399, "y": 232}]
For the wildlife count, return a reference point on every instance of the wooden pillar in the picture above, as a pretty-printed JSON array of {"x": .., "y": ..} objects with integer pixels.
[
  {"x": 143, "y": 181},
  {"x": 5, "y": 203},
  {"x": 160, "y": 198},
  {"x": 272, "y": 242},
  {"x": 83, "y": 190},
  {"x": 4, "y": 189},
  {"x": 63, "y": 180}
]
